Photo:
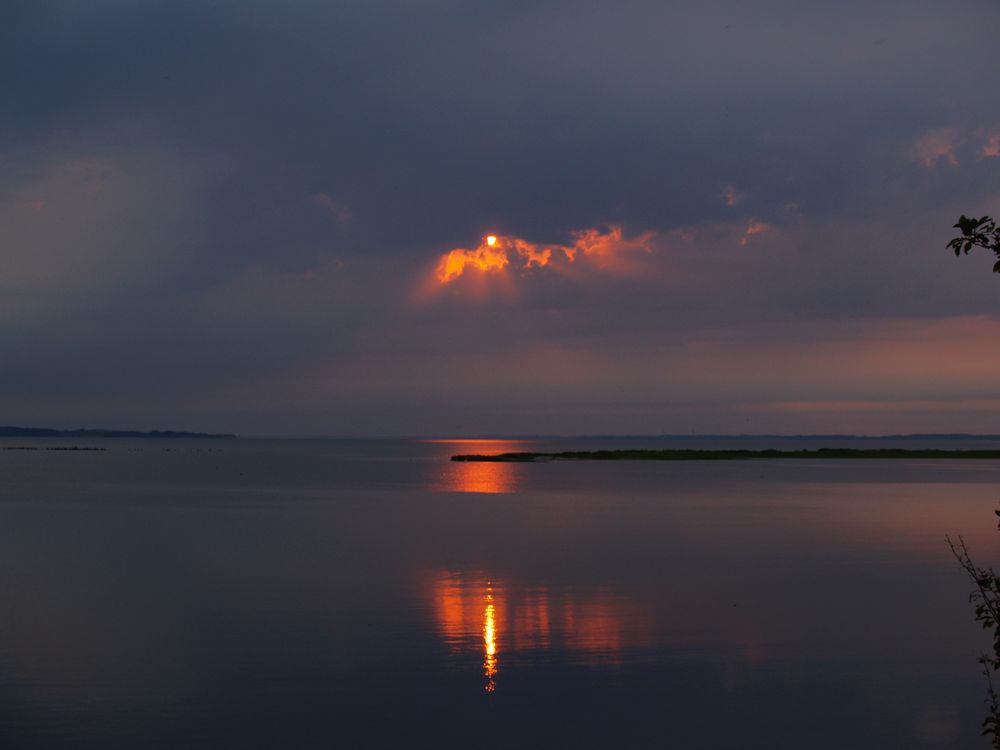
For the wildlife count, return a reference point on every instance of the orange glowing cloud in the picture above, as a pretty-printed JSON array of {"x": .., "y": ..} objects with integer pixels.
[
  {"x": 935, "y": 146},
  {"x": 532, "y": 254},
  {"x": 991, "y": 149},
  {"x": 754, "y": 227},
  {"x": 486, "y": 257},
  {"x": 593, "y": 243},
  {"x": 731, "y": 195},
  {"x": 496, "y": 252}
]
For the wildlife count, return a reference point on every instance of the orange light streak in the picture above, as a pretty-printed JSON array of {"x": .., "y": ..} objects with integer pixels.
[
  {"x": 478, "y": 476},
  {"x": 490, "y": 641},
  {"x": 481, "y": 476}
]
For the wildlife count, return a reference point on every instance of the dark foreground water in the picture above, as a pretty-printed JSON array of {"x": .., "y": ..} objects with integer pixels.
[{"x": 287, "y": 594}]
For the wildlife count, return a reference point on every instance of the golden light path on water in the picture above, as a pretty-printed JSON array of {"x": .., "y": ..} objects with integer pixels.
[
  {"x": 483, "y": 476},
  {"x": 477, "y": 614},
  {"x": 490, "y": 641},
  {"x": 486, "y": 477}
]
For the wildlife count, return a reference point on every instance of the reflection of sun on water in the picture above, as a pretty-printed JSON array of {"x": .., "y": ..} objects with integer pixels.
[
  {"x": 476, "y": 614},
  {"x": 477, "y": 476},
  {"x": 484, "y": 476},
  {"x": 470, "y": 616},
  {"x": 490, "y": 641}
]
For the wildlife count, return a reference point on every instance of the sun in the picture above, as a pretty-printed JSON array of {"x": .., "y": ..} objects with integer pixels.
[{"x": 491, "y": 240}]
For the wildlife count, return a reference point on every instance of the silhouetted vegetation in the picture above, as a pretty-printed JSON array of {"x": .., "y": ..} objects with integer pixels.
[
  {"x": 977, "y": 233},
  {"x": 50, "y": 448},
  {"x": 986, "y": 599},
  {"x": 44, "y": 432},
  {"x": 730, "y": 455}
]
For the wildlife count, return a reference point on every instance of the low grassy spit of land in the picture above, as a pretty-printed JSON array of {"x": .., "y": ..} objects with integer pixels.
[
  {"x": 50, "y": 448},
  {"x": 730, "y": 455}
]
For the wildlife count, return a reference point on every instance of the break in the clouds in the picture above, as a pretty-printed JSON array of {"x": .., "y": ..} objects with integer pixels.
[{"x": 214, "y": 215}]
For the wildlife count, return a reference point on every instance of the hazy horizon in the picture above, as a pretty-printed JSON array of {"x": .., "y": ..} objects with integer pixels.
[{"x": 487, "y": 437}]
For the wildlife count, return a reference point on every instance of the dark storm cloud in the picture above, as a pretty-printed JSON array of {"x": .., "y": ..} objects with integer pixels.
[
  {"x": 235, "y": 196},
  {"x": 540, "y": 113}
]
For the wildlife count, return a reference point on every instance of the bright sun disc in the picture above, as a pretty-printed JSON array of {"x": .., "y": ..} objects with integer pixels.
[{"x": 491, "y": 240}]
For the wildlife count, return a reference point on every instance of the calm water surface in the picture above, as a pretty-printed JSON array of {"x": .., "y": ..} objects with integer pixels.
[{"x": 253, "y": 593}]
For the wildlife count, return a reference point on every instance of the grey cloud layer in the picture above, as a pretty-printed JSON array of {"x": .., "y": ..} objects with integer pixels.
[{"x": 201, "y": 194}]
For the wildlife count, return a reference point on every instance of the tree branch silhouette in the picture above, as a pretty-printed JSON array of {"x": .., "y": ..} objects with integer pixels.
[
  {"x": 977, "y": 233},
  {"x": 986, "y": 599}
]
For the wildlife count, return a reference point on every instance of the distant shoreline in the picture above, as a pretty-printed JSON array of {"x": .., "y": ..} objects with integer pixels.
[
  {"x": 728, "y": 455},
  {"x": 750, "y": 437},
  {"x": 43, "y": 432}
]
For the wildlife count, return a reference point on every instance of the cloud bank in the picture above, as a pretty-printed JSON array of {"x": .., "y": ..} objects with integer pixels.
[{"x": 213, "y": 216}]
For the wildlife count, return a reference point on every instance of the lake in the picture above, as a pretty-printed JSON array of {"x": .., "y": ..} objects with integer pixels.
[{"x": 337, "y": 593}]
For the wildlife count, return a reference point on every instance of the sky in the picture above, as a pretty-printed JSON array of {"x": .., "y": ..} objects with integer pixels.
[{"x": 720, "y": 216}]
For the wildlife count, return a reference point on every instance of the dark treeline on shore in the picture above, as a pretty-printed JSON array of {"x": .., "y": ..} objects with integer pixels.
[
  {"x": 730, "y": 455},
  {"x": 43, "y": 432}
]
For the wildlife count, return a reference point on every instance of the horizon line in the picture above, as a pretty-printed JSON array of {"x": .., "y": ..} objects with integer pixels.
[{"x": 623, "y": 436}]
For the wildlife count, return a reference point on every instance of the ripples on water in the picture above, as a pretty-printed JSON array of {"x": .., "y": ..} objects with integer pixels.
[{"x": 374, "y": 594}]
